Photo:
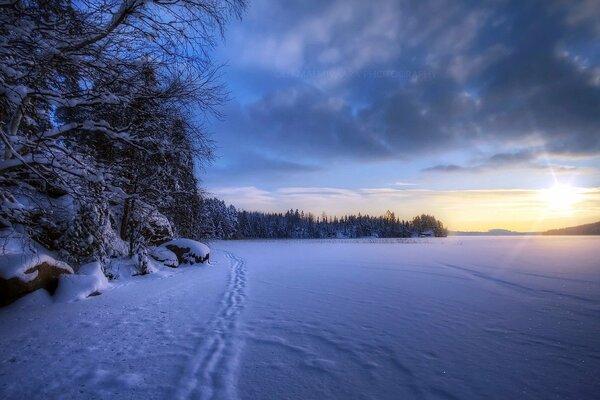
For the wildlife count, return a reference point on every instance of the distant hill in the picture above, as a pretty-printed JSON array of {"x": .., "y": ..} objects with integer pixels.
[
  {"x": 491, "y": 232},
  {"x": 587, "y": 229}
]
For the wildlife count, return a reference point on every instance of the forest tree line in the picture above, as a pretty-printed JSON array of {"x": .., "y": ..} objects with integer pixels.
[{"x": 226, "y": 222}]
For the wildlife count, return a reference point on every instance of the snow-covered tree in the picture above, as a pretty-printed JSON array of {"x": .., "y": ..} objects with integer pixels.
[{"x": 104, "y": 93}]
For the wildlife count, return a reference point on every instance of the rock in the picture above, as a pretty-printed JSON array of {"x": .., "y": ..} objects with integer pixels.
[
  {"x": 164, "y": 256},
  {"x": 188, "y": 251},
  {"x": 41, "y": 276},
  {"x": 155, "y": 226},
  {"x": 25, "y": 267}
]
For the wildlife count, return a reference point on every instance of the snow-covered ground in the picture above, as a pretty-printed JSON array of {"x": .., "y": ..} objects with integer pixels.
[{"x": 455, "y": 318}]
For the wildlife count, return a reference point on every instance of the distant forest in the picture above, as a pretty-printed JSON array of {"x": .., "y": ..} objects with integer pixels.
[
  {"x": 226, "y": 222},
  {"x": 587, "y": 229}
]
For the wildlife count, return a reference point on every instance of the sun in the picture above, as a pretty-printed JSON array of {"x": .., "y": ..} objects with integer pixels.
[{"x": 561, "y": 197}]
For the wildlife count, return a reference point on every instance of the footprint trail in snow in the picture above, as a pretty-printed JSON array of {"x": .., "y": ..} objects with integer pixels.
[{"x": 211, "y": 372}]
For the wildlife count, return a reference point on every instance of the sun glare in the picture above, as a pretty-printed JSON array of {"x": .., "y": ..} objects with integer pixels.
[{"x": 561, "y": 197}]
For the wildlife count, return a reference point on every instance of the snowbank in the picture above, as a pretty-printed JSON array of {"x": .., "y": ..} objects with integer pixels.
[
  {"x": 38, "y": 298},
  {"x": 95, "y": 269},
  {"x": 90, "y": 281}
]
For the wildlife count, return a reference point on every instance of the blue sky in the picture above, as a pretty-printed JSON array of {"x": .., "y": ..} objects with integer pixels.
[{"x": 330, "y": 99}]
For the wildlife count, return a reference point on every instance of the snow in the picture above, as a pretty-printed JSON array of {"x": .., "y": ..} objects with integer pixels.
[
  {"x": 38, "y": 298},
  {"x": 20, "y": 255},
  {"x": 461, "y": 317},
  {"x": 94, "y": 269},
  {"x": 123, "y": 268},
  {"x": 89, "y": 281}
]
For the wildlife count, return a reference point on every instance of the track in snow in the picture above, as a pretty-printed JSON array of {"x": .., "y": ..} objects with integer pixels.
[{"x": 211, "y": 371}]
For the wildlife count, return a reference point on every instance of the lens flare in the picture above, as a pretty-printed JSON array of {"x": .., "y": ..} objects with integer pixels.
[{"x": 561, "y": 197}]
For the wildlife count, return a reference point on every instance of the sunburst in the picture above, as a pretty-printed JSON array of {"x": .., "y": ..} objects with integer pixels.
[{"x": 561, "y": 197}]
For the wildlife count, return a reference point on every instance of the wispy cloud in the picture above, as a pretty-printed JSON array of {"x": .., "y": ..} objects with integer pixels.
[
  {"x": 534, "y": 159},
  {"x": 405, "y": 184}
]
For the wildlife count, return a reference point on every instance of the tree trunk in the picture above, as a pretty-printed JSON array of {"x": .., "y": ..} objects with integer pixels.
[{"x": 127, "y": 210}]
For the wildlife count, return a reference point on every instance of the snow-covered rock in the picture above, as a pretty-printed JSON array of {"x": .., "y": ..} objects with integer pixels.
[
  {"x": 156, "y": 227},
  {"x": 90, "y": 281},
  {"x": 165, "y": 256},
  {"x": 188, "y": 251},
  {"x": 26, "y": 267}
]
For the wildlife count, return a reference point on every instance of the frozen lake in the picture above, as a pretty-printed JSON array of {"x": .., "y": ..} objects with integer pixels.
[
  {"x": 455, "y": 318},
  {"x": 452, "y": 318}
]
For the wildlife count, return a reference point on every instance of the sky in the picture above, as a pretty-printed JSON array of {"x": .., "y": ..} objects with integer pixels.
[{"x": 485, "y": 114}]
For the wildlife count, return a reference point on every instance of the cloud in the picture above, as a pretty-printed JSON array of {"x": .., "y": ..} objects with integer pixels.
[
  {"x": 516, "y": 157},
  {"x": 450, "y": 168},
  {"x": 249, "y": 197},
  {"x": 510, "y": 159},
  {"x": 314, "y": 36},
  {"x": 405, "y": 184},
  {"x": 300, "y": 122},
  {"x": 522, "y": 159},
  {"x": 583, "y": 12},
  {"x": 264, "y": 164},
  {"x": 355, "y": 81}
]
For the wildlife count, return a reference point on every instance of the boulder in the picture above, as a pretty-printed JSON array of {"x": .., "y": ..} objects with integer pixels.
[
  {"x": 155, "y": 226},
  {"x": 25, "y": 267},
  {"x": 41, "y": 276},
  {"x": 188, "y": 251},
  {"x": 164, "y": 256}
]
